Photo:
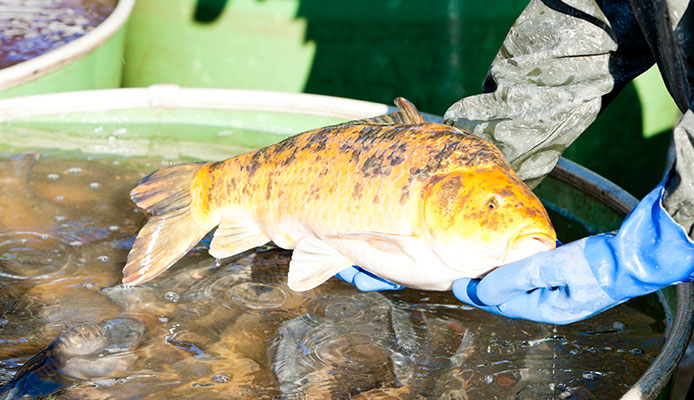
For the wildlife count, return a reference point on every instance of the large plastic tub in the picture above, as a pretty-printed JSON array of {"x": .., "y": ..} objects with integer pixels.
[
  {"x": 173, "y": 122},
  {"x": 93, "y": 61}
]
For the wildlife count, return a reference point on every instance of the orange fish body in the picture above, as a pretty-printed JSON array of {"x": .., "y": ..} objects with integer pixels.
[{"x": 420, "y": 204}]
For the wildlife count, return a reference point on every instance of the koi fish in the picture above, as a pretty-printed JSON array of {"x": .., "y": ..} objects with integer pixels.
[{"x": 418, "y": 203}]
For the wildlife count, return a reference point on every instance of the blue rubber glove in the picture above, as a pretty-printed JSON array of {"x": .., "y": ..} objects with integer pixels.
[
  {"x": 575, "y": 281},
  {"x": 365, "y": 280}
]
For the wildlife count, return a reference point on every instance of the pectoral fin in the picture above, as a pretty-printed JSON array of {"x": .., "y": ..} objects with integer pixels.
[
  {"x": 236, "y": 234},
  {"x": 314, "y": 262}
]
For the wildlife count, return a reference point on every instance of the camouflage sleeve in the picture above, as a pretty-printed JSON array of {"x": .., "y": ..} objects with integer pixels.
[
  {"x": 678, "y": 198},
  {"x": 668, "y": 27},
  {"x": 560, "y": 64}
]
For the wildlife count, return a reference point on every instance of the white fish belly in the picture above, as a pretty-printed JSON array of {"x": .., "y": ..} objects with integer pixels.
[{"x": 418, "y": 268}]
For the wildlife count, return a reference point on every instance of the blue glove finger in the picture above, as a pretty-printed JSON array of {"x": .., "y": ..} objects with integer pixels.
[
  {"x": 547, "y": 270},
  {"x": 368, "y": 282},
  {"x": 365, "y": 280},
  {"x": 465, "y": 290},
  {"x": 347, "y": 274},
  {"x": 555, "y": 287}
]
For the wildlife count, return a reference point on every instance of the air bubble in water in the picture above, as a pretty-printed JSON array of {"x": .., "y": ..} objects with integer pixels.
[
  {"x": 95, "y": 185},
  {"x": 618, "y": 325},
  {"x": 102, "y": 259},
  {"x": 172, "y": 297},
  {"x": 75, "y": 170},
  {"x": 53, "y": 177},
  {"x": 220, "y": 378}
]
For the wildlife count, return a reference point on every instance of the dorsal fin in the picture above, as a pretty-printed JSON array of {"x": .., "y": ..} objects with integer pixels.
[{"x": 407, "y": 114}]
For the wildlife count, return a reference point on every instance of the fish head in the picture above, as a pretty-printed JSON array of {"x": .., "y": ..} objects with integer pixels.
[{"x": 484, "y": 217}]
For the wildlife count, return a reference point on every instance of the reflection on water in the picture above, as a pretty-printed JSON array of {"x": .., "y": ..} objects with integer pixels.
[{"x": 232, "y": 328}]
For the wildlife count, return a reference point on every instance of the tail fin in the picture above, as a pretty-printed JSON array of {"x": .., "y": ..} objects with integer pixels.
[{"x": 171, "y": 230}]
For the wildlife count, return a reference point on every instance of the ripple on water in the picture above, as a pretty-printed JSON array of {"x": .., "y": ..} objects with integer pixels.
[
  {"x": 259, "y": 296},
  {"x": 235, "y": 286},
  {"x": 331, "y": 342},
  {"x": 320, "y": 356},
  {"x": 34, "y": 256},
  {"x": 347, "y": 305},
  {"x": 83, "y": 352}
]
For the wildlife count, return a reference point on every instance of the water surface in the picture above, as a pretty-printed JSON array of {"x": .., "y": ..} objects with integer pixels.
[{"x": 232, "y": 328}]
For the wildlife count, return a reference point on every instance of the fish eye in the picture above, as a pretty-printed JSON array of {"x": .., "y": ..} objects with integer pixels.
[{"x": 493, "y": 202}]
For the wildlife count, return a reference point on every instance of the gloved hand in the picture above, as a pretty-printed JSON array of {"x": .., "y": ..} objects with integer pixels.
[
  {"x": 580, "y": 279},
  {"x": 365, "y": 280}
]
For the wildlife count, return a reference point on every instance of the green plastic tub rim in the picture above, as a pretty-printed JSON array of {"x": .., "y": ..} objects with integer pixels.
[
  {"x": 58, "y": 58},
  {"x": 170, "y": 104}
]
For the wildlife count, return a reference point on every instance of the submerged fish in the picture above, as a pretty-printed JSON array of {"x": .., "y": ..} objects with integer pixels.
[
  {"x": 420, "y": 204},
  {"x": 362, "y": 344},
  {"x": 84, "y": 352}
]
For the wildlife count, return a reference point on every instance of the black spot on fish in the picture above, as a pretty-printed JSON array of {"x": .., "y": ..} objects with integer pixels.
[
  {"x": 506, "y": 192},
  {"x": 213, "y": 167},
  {"x": 354, "y": 157},
  {"x": 435, "y": 179},
  {"x": 404, "y": 195},
  {"x": 268, "y": 189},
  {"x": 256, "y": 160},
  {"x": 286, "y": 144},
  {"x": 356, "y": 191},
  {"x": 316, "y": 141},
  {"x": 289, "y": 158}
]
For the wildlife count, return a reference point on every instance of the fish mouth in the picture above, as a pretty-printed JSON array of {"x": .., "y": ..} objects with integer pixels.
[
  {"x": 545, "y": 239},
  {"x": 524, "y": 244}
]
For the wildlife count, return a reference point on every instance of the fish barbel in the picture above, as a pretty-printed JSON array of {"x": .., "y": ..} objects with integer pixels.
[{"x": 420, "y": 204}]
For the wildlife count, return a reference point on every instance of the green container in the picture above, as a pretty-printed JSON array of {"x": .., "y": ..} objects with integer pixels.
[
  {"x": 431, "y": 52},
  {"x": 93, "y": 61},
  {"x": 177, "y": 123}
]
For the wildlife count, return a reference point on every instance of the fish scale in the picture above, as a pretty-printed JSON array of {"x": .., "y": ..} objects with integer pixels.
[
  {"x": 420, "y": 204},
  {"x": 323, "y": 177}
]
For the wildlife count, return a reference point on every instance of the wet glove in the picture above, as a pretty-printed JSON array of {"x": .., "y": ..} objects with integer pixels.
[
  {"x": 365, "y": 280},
  {"x": 575, "y": 281}
]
